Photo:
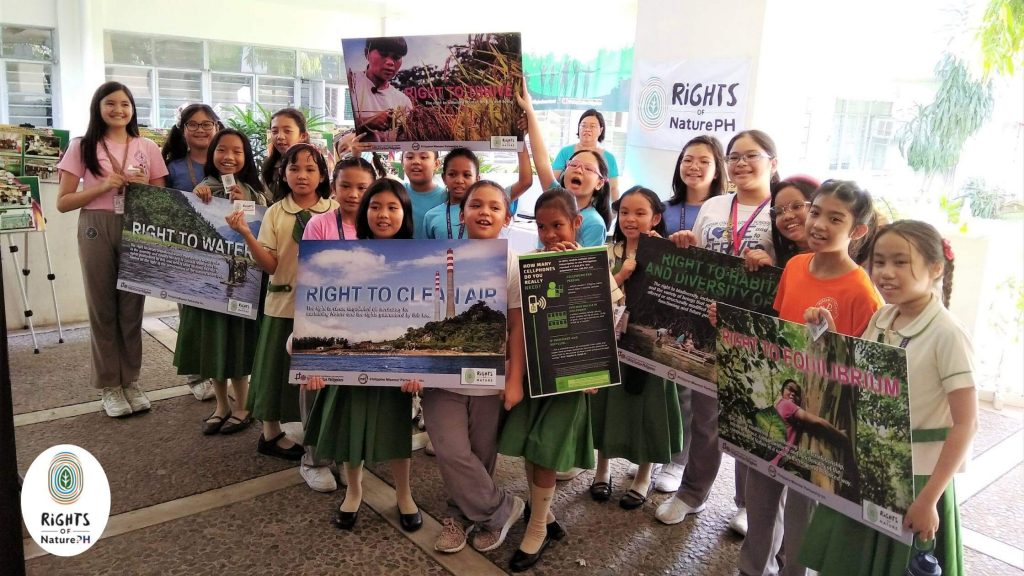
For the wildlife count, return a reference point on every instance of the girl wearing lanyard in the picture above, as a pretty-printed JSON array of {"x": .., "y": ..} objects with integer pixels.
[
  {"x": 187, "y": 144},
  {"x": 109, "y": 156},
  {"x": 461, "y": 168},
  {"x": 730, "y": 223}
]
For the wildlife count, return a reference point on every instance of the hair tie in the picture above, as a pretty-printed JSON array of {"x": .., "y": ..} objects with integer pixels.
[{"x": 947, "y": 250}]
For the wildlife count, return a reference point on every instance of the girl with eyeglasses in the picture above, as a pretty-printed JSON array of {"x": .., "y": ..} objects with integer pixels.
[
  {"x": 791, "y": 199},
  {"x": 731, "y": 224}
]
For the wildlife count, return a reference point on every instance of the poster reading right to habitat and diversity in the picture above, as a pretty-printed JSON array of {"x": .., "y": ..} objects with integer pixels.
[
  {"x": 177, "y": 248},
  {"x": 436, "y": 92},
  {"x": 667, "y": 299},
  {"x": 568, "y": 321},
  {"x": 827, "y": 417}
]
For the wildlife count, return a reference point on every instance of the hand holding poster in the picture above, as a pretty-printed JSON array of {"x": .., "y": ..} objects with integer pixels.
[
  {"x": 377, "y": 313},
  {"x": 436, "y": 92},
  {"x": 667, "y": 297},
  {"x": 829, "y": 418},
  {"x": 568, "y": 321},
  {"x": 177, "y": 248}
]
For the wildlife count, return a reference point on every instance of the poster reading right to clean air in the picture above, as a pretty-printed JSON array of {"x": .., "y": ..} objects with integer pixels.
[{"x": 829, "y": 418}]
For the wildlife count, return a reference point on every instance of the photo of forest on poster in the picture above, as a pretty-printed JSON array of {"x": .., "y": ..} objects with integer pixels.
[{"x": 861, "y": 451}]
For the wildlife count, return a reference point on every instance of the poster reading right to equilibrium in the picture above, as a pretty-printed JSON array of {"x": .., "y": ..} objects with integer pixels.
[
  {"x": 829, "y": 418},
  {"x": 568, "y": 321}
]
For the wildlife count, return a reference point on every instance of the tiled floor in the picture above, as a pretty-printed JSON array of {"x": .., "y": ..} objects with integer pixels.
[{"x": 159, "y": 461}]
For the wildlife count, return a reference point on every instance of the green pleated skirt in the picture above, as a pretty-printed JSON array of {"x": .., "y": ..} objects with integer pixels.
[
  {"x": 552, "y": 432},
  {"x": 271, "y": 397},
  {"x": 641, "y": 427},
  {"x": 355, "y": 423},
  {"x": 215, "y": 345},
  {"x": 835, "y": 545}
]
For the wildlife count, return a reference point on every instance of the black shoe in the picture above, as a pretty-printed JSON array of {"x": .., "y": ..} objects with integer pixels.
[
  {"x": 344, "y": 520},
  {"x": 410, "y": 522},
  {"x": 632, "y": 500},
  {"x": 555, "y": 530},
  {"x": 521, "y": 560},
  {"x": 214, "y": 423},
  {"x": 601, "y": 491},
  {"x": 271, "y": 448},
  {"x": 234, "y": 424}
]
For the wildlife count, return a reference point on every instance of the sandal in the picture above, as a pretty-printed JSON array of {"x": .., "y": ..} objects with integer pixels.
[
  {"x": 234, "y": 424},
  {"x": 214, "y": 423}
]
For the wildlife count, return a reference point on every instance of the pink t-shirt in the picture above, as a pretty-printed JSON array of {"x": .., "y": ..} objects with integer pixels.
[
  {"x": 325, "y": 227},
  {"x": 142, "y": 153},
  {"x": 786, "y": 409}
]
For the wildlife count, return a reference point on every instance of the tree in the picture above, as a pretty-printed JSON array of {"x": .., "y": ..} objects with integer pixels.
[{"x": 1002, "y": 36}]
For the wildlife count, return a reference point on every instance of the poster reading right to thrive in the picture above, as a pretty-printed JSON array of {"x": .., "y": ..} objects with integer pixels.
[{"x": 829, "y": 418}]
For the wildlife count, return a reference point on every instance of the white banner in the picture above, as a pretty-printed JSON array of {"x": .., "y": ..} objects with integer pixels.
[{"x": 673, "y": 102}]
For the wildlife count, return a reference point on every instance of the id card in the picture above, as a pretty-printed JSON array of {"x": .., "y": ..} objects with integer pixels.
[
  {"x": 119, "y": 203},
  {"x": 247, "y": 207},
  {"x": 818, "y": 328}
]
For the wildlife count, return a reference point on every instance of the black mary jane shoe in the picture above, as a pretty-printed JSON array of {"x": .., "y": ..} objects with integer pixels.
[
  {"x": 410, "y": 522},
  {"x": 601, "y": 491},
  {"x": 632, "y": 500},
  {"x": 522, "y": 561},
  {"x": 271, "y": 448},
  {"x": 344, "y": 520},
  {"x": 214, "y": 423}
]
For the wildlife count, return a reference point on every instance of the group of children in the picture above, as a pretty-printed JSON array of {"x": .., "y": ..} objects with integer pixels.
[{"x": 818, "y": 233}]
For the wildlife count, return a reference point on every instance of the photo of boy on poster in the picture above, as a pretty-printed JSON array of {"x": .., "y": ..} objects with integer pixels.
[{"x": 375, "y": 100}]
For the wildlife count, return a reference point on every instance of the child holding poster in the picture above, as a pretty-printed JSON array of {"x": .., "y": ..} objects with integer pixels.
[
  {"x": 303, "y": 189},
  {"x": 827, "y": 277},
  {"x": 110, "y": 156},
  {"x": 908, "y": 259},
  {"x": 352, "y": 424},
  {"x": 424, "y": 193},
  {"x": 212, "y": 344},
  {"x": 791, "y": 198},
  {"x": 463, "y": 424},
  {"x": 730, "y": 223},
  {"x": 287, "y": 128},
  {"x": 640, "y": 420},
  {"x": 553, "y": 432}
]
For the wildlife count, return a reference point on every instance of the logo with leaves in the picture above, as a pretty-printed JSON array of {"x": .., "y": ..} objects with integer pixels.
[
  {"x": 468, "y": 375},
  {"x": 65, "y": 478}
]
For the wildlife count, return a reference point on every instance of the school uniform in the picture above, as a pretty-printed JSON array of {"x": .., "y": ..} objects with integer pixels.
[
  {"x": 939, "y": 361},
  {"x": 271, "y": 397},
  {"x": 214, "y": 344},
  {"x": 640, "y": 419},
  {"x": 115, "y": 317}
]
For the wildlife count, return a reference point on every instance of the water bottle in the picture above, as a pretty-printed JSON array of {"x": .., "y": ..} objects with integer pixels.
[{"x": 922, "y": 562}]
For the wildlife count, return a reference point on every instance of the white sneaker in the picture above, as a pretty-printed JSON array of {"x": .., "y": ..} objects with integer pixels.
[
  {"x": 114, "y": 402},
  {"x": 485, "y": 540},
  {"x": 739, "y": 522},
  {"x": 568, "y": 474},
  {"x": 670, "y": 477},
  {"x": 202, "y": 388},
  {"x": 136, "y": 398},
  {"x": 318, "y": 478},
  {"x": 674, "y": 511}
]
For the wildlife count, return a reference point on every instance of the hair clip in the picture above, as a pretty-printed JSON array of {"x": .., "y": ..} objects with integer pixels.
[{"x": 947, "y": 250}]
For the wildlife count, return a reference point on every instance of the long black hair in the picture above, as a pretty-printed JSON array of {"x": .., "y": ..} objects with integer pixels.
[
  {"x": 657, "y": 207},
  {"x": 269, "y": 171},
  {"x": 601, "y": 200},
  {"x": 323, "y": 189},
  {"x": 784, "y": 247},
  {"x": 98, "y": 127},
  {"x": 176, "y": 147},
  {"x": 717, "y": 183},
  {"x": 248, "y": 174},
  {"x": 363, "y": 230}
]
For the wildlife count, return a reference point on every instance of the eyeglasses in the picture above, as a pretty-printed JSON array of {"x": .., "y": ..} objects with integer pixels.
[
  {"x": 703, "y": 163},
  {"x": 585, "y": 167},
  {"x": 205, "y": 125},
  {"x": 787, "y": 208},
  {"x": 749, "y": 157}
]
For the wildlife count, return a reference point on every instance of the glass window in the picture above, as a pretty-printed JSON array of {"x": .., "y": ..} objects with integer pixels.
[
  {"x": 229, "y": 90},
  {"x": 318, "y": 66},
  {"x": 127, "y": 49},
  {"x": 275, "y": 93},
  {"x": 226, "y": 57},
  {"x": 27, "y": 43},
  {"x": 179, "y": 53},
  {"x": 270, "y": 61},
  {"x": 29, "y": 93},
  {"x": 176, "y": 89},
  {"x": 862, "y": 133}
]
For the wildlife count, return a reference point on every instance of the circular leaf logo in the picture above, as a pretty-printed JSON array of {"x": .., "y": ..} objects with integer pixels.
[
  {"x": 65, "y": 478},
  {"x": 651, "y": 102},
  {"x": 468, "y": 375}
]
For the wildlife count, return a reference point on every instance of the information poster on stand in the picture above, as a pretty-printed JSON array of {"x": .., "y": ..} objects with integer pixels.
[
  {"x": 436, "y": 92},
  {"x": 381, "y": 312},
  {"x": 667, "y": 300},
  {"x": 32, "y": 151},
  {"x": 568, "y": 321},
  {"x": 829, "y": 418},
  {"x": 175, "y": 247},
  {"x": 20, "y": 210}
]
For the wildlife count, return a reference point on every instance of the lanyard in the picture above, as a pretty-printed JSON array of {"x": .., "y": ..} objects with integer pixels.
[
  {"x": 882, "y": 336},
  {"x": 118, "y": 167},
  {"x": 341, "y": 227},
  {"x": 191, "y": 172},
  {"x": 736, "y": 235},
  {"x": 448, "y": 216}
]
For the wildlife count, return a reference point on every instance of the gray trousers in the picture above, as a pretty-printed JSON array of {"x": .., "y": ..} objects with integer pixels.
[
  {"x": 464, "y": 432},
  {"x": 115, "y": 317},
  {"x": 700, "y": 418},
  {"x": 776, "y": 519}
]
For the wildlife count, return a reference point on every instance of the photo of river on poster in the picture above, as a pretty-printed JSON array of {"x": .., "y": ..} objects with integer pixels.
[{"x": 406, "y": 363}]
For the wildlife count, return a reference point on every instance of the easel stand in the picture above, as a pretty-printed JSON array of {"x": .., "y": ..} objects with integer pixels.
[{"x": 23, "y": 282}]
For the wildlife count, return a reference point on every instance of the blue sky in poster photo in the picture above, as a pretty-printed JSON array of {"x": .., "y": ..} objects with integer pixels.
[{"x": 376, "y": 289}]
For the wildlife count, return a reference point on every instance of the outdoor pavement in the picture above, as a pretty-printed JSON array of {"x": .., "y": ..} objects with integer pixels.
[{"x": 184, "y": 503}]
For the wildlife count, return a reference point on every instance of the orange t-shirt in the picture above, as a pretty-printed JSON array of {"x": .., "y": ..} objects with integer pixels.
[{"x": 851, "y": 298}]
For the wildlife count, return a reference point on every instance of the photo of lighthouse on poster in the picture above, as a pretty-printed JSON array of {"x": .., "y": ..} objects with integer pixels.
[{"x": 380, "y": 312}]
